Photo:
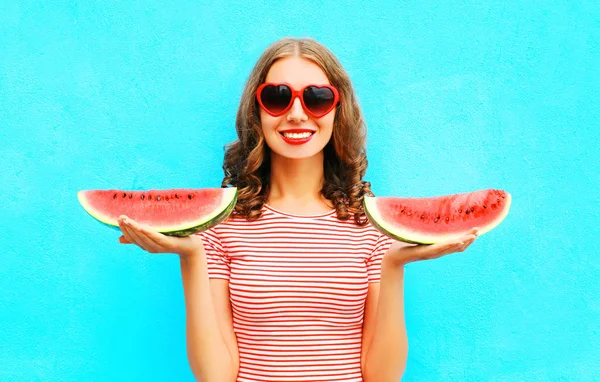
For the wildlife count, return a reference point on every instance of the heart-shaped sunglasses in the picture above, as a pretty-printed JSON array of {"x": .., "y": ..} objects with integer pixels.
[{"x": 277, "y": 98}]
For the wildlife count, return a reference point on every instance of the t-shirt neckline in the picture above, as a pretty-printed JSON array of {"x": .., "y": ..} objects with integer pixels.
[{"x": 275, "y": 210}]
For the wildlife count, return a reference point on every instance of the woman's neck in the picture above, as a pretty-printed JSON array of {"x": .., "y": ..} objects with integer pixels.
[{"x": 295, "y": 185}]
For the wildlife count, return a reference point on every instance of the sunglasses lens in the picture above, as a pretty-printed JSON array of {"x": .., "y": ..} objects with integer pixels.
[
  {"x": 275, "y": 98},
  {"x": 318, "y": 100}
]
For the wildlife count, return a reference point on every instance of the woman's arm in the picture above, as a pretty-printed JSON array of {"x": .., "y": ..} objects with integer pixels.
[
  {"x": 211, "y": 343},
  {"x": 385, "y": 344}
]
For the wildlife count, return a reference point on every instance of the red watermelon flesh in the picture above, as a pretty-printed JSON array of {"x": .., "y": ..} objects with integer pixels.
[
  {"x": 176, "y": 212},
  {"x": 437, "y": 219}
]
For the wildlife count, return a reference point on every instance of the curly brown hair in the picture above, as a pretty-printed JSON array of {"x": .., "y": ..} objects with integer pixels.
[{"x": 247, "y": 159}]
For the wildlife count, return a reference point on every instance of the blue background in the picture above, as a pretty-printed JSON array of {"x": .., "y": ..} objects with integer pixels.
[{"x": 142, "y": 94}]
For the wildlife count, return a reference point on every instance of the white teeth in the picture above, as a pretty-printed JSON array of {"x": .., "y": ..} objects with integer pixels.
[{"x": 297, "y": 135}]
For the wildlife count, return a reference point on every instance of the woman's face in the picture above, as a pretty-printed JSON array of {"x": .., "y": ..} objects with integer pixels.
[{"x": 296, "y": 134}]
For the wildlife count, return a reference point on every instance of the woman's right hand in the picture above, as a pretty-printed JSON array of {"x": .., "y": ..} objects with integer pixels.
[{"x": 155, "y": 242}]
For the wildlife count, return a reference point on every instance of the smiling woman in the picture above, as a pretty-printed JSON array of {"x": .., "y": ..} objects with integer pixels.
[
  {"x": 277, "y": 124},
  {"x": 296, "y": 285}
]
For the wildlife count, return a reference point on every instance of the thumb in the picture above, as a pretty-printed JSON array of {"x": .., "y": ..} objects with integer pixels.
[{"x": 122, "y": 240}]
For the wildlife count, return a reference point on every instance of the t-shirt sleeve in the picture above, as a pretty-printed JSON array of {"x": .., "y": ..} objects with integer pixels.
[
  {"x": 216, "y": 256},
  {"x": 382, "y": 244}
]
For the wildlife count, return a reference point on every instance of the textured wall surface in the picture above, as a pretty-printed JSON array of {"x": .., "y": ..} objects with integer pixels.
[{"x": 142, "y": 94}]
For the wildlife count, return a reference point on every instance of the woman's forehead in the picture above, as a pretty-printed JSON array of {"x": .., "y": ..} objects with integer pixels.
[{"x": 297, "y": 72}]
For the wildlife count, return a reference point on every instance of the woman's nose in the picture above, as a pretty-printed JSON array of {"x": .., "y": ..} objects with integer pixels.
[{"x": 297, "y": 112}]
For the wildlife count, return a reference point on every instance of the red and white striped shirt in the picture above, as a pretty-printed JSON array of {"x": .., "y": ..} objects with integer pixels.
[{"x": 297, "y": 286}]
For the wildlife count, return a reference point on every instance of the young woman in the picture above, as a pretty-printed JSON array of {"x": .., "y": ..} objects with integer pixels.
[{"x": 296, "y": 285}]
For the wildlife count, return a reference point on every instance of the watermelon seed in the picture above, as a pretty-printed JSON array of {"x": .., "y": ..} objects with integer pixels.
[
  {"x": 402, "y": 211},
  {"x": 484, "y": 206},
  {"x": 468, "y": 212},
  {"x": 114, "y": 196},
  {"x": 460, "y": 211},
  {"x": 166, "y": 198},
  {"x": 436, "y": 219},
  {"x": 130, "y": 196},
  {"x": 422, "y": 216},
  {"x": 158, "y": 197},
  {"x": 447, "y": 219},
  {"x": 149, "y": 197},
  {"x": 189, "y": 196},
  {"x": 409, "y": 213},
  {"x": 143, "y": 196},
  {"x": 176, "y": 197},
  {"x": 124, "y": 195}
]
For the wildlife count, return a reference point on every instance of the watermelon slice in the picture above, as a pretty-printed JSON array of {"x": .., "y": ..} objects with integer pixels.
[
  {"x": 437, "y": 219},
  {"x": 174, "y": 212}
]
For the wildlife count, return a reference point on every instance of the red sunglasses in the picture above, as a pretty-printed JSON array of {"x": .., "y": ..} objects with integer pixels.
[{"x": 277, "y": 98}]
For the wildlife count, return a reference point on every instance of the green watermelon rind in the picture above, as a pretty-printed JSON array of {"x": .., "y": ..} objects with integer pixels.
[
  {"x": 370, "y": 208},
  {"x": 186, "y": 229},
  {"x": 412, "y": 237},
  {"x": 209, "y": 223}
]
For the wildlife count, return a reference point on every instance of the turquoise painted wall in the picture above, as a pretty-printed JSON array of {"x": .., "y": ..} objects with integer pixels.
[{"x": 143, "y": 94}]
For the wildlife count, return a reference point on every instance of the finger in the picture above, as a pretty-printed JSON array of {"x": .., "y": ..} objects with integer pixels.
[
  {"x": 155, "y": 237},
  {"x": 130, "y": 233},
  {"x": 129, "y": 236},
  {"x": 441, "y": 249},
  {"x": 126, "y": 235},
  {"x": 467, "y": 239},
  {"x": 424, "y": 252},
  {"x": 150, "y": 242},
  {"x": 123, "y": 240},
  {"x": 154, "y": 241},
  {"x": 473, "y": 232},
  {"x": 466, "y": 245},
  {"x": 456, "y": 247},
  {"x": 146, "y": 244}
]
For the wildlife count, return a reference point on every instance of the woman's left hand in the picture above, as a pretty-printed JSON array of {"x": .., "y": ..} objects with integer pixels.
[{"x": 402, "y": 253}]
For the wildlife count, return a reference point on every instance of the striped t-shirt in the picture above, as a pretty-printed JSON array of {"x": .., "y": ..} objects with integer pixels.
[{"x": 297, "y": 287}]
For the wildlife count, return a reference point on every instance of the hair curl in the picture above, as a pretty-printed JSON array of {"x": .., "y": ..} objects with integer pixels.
[{"x": 247, "y": 159}]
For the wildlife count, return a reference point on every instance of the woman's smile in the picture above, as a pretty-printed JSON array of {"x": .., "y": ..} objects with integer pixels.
[{"x": 297, "y": 136}]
